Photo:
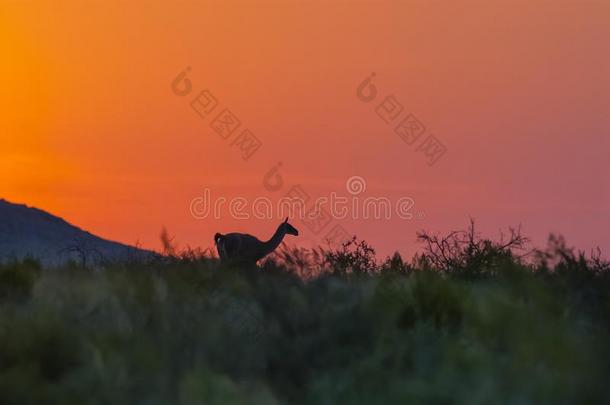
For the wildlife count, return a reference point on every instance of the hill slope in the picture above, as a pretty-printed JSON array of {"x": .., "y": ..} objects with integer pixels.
[{"x": 30, "y": 232}]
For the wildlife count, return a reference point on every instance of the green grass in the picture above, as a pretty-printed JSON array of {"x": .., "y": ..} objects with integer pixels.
[{"x": 491, "y": 329}]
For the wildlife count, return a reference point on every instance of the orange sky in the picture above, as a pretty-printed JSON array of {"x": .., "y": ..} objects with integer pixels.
[{"x": 518, "y": 92}]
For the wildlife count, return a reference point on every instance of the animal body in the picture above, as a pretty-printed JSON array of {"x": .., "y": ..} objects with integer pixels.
[{"x": 244, "y": 248}]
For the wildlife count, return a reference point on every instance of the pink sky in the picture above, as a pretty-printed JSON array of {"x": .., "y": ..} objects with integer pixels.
[{"x": 518, "y": 93}]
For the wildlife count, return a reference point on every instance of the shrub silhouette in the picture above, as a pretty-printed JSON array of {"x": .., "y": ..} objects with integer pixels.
[{"x": 468, "y": 320}]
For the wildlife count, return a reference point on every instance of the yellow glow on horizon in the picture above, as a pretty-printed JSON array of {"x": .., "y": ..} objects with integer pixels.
[
  {"x": 90, "y": 129},
  {"x": 25, "y": 104}
]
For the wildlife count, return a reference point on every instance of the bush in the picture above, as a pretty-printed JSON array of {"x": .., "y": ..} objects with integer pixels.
[{"x": 473, "y": 324}]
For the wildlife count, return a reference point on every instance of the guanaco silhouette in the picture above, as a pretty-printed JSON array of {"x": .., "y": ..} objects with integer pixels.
[{"x": 244, "y": 248}]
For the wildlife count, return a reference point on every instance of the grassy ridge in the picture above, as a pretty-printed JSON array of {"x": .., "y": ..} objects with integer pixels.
[{"x": 490, "y": 329}]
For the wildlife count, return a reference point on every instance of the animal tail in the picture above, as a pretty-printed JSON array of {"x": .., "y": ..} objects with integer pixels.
[{"x": 220, "y": 246}]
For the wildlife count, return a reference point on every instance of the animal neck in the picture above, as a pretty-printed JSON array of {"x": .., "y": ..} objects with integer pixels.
[{"x": 275, "y": 240}]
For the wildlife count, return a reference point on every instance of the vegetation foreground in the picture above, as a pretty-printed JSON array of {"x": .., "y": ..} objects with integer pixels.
[{"x": 467, "y": 321}]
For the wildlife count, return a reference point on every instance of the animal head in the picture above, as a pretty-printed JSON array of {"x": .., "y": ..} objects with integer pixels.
[{"x": 289, "y": 229}]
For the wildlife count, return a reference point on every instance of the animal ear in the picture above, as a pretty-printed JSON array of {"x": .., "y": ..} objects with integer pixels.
[{"x": 286, "y": 220}]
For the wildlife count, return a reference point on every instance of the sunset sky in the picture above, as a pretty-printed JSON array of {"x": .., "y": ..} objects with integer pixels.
[{"x": 517, "y": 91}]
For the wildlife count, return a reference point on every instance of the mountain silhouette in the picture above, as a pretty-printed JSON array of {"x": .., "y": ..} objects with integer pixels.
[{"x": 34, "y": 233}]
